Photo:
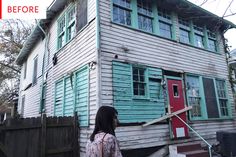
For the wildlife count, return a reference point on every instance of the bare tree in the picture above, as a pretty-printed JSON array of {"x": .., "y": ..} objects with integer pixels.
[{"x": 13, "y": 33}]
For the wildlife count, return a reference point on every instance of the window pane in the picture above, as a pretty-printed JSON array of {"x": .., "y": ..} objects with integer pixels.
[
  {"x": 193, "y": 93},
  {"x": 121, "y": 15},
  {"x": 184, "y": 36},
  {"x": 198, "y": 40},
  {"x": 165, "y": 29},
  {"x": 212, "y": 45},
  {"x": 145, "y": 7},
  {"x": 145, "y": 23},
  {"x": 123, "y": 3},
  {"x": 139, "y": 84},
  {"x": 223, "y": 107}
]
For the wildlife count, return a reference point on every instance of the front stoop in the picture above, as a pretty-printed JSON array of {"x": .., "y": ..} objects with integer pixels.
[{"x": 187, "y": 150}]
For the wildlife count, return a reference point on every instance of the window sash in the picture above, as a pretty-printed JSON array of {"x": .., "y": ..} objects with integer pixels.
[
  {"x": 34, "y": 80},
  {"x": 165, "y": 29},
  {"x": 139, "y": 82},
  {"x": 145, "y": 23},
  {"x": 145, "y": 7},
  {"x": 212, "y": 45},
  {"x": 198, "y": 40},
  {"x": 184, "y": 36},
  {"x": 121, "y": 15}
]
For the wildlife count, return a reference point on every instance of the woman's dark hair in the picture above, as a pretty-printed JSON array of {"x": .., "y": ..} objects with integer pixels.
[{"x": 104, "y": 121}]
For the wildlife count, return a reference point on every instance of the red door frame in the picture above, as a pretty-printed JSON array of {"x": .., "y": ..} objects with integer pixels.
[{"x": 176, "y": 103}]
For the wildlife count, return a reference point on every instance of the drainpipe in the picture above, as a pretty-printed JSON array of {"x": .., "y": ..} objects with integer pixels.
[
  {"x": 98, "y": 58},
  {"x": 42, "y": 83}
]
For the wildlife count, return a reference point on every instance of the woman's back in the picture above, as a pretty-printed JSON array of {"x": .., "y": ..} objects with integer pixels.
[{"x": 104, "y": 145}]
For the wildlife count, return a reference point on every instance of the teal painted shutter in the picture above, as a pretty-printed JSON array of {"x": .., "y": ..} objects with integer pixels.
[
  {"x": 122, "y": 90},
  {"x": 81, "y": 106},
  {"x": 59, "y": 92},
  {"x": 133, "y": 109},
  {"x": 68, "y": 98}
]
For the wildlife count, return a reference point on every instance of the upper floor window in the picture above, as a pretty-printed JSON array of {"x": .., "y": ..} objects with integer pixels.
[
  {"x": 35, "y": 71},
  {"x": 165, "y": 24},
  {"x": 198, "y": 37},
  {"x": 139, "y": 81},
  {"x": 66, "y": 26},
  {"x": 211, "y": 41},
  {"x": 122, "y": 12},
  {"x": 184, "y": 31},
  {"x": 145, "y": 15}
]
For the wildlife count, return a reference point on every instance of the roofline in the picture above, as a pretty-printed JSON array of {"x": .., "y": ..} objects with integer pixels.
[{"x": 56, "y": 6}]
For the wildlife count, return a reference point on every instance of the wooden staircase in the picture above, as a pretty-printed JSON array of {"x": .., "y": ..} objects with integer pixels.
[{"x": 187, "y": 150}]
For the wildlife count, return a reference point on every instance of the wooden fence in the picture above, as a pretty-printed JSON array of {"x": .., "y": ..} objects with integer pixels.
[{"x": 40, "y": 137}]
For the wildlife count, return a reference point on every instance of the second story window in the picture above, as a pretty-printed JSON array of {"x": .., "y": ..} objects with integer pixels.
[
  {"x": 211, "y": 41},
  {"x": 145, "y": 15},
  {"x": 165, "y": 24},
  {"x": 66, "y": 26},
  {"x": 35, "y": 71},
  {"x": 122, "y": 12},
  {"x": 139, "y": 81},
  {"x": 184, "y": 31},
  {"x": 198, "y": 37}
]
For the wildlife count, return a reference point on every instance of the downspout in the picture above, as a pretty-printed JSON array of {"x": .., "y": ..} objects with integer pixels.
[
  {"x": 98, "y": 57},
  {"x": 42, "y": 110}
]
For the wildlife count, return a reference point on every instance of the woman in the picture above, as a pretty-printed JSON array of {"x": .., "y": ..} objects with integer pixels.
[{"x": 103, "y": 142}]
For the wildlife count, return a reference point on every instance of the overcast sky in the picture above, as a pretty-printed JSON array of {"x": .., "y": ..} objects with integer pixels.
[{"x": 219, "y": 7}]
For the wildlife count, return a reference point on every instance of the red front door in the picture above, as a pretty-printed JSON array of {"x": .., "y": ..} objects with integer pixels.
[{"x": 176, "y": 101}]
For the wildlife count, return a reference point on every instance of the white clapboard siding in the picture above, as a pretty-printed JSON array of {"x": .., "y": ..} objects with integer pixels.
[{"x": 151, "y": 50}]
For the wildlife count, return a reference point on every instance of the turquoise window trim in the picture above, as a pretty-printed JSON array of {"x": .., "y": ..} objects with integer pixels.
[
  {"x": 205, "y": 38},
  {"x": 228, "y": 102},
  {"x": 173, "y": 27},
  {"x": 64, "y": 91},
  {"x": 64, "y": 14},
  {"x": 134, "y": 14},
  {"x": 155, "y": 20},
  {"x": 74, "y": 91},
  {"x": 191, "y": 34}
]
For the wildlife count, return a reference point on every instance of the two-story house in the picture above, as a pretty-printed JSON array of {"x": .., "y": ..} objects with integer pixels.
[{"x": 146, "y": 58}]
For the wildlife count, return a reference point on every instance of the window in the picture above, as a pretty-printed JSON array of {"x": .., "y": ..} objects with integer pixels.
[
  {"x": 122, "y": 12},
  {"x": 139, "y": 83},
  {"x": 34, "y": 79},
  {"x": 66, "y": 26},
  {"x": 184, "y": 31},
  {"x": 165, "y": 24},
  {"x": 22, "y": 105},
  {"x": 198, "y": 37},
  {"x": 205, "y": 104},
  {"x": 71, "y": 95},
  {"x": 211, "y": 41},
  {"x": 165, "y": 30},
  {"x": 194, "y": 99},
  {"x": 25, "y": 70},
  {"x": 145, "y": 15},
  {"x": 220, "y": 86}
]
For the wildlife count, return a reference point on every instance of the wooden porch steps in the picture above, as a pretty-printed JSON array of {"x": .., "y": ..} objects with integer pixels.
[{"x": 187, "y": 150}]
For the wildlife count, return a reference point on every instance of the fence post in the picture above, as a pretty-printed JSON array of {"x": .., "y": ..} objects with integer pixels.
[
  {"x": 76, "y": 150},
  {"x": 43, "y": 135}
]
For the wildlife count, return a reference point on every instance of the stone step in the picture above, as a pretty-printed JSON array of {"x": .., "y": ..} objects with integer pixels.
[
  {"x": 186, "y": 147},
  {"x": 196, "y": 153}
]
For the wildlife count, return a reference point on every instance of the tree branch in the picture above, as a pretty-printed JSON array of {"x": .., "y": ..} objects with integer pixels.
[{"x": 8, "y": 66}]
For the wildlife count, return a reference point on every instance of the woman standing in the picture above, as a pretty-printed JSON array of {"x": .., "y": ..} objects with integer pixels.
[{"x": 103, "y": 142}]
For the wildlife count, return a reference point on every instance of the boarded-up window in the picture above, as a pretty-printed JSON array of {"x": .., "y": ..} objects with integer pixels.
[
  {"x": 82, "y": 14},
  {"x": 71, "y": 95},
  {"x": 210, "y": 98}
]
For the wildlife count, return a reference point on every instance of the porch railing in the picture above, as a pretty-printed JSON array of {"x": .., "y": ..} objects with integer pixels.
[{"x": 208, "y": 144}]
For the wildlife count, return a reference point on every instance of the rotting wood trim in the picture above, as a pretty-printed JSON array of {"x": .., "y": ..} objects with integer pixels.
[{"x": 167, "y": 116}]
